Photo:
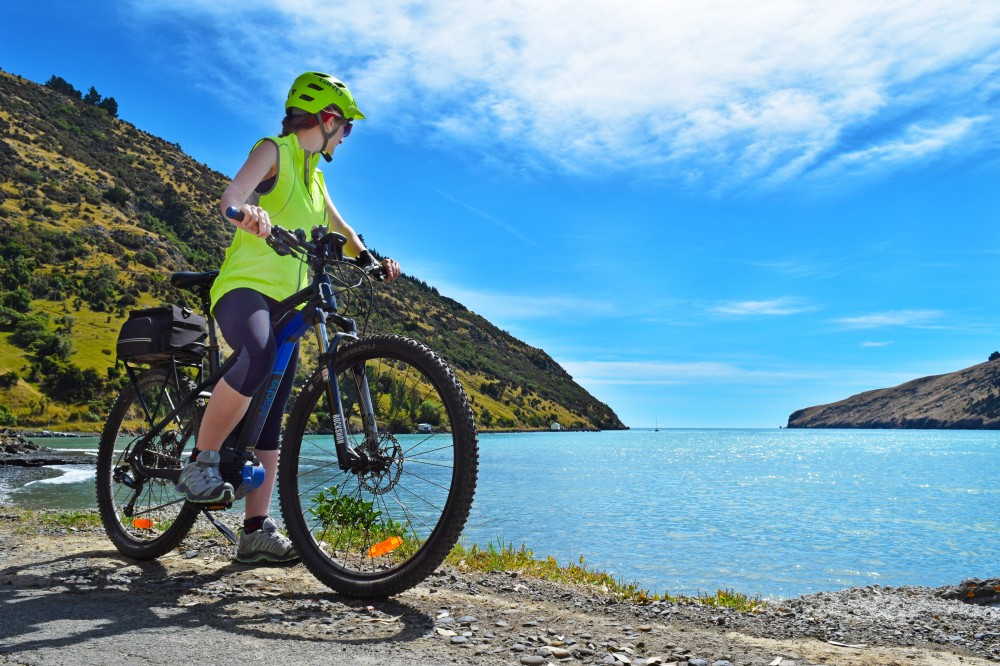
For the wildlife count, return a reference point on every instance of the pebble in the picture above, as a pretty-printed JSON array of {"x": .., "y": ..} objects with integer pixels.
[{"x": 908, "y": 616}]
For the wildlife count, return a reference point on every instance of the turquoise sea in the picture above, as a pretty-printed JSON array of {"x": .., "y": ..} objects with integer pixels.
[{"x": 772, "y": 512}]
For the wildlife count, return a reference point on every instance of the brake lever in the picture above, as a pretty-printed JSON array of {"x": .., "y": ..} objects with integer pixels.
[
  {"x": 283, "y": 241},
  {"x": 366, "y": 262},
  {"x": 280, "y": 248}
]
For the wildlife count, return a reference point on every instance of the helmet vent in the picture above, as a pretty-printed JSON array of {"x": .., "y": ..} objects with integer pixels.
[
  {"x": 315, "y": 86},
  {"x": 306, "y": 98}
]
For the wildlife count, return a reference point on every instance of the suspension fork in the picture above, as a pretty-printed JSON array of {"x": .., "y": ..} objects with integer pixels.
[{"x": 348, "y": 458}]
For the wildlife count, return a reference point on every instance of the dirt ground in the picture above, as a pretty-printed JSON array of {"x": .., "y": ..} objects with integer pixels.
[{"x": 68, "y": 597}]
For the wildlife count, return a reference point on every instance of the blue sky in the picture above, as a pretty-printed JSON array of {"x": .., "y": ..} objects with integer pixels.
[{"x": 711, "y": 214}]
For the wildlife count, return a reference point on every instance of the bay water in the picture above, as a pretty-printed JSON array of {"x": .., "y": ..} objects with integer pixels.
[{"x": 772, "y": 512}]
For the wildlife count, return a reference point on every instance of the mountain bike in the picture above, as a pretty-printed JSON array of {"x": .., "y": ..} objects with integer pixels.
[{"x": 379, "y": 455}]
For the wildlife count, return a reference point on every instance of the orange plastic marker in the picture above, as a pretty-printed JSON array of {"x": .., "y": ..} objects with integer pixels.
[
  {"x": 383, "y": 547},
  {"x": 143, "y": 523}
]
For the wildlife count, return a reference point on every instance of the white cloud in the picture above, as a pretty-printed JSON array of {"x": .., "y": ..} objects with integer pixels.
[
  {"x": 773, "y": 307},
  {"x": 841, "y": 380},
  {"x": 501, "y": 307},
  {"x": 875, "y": 344},
  {"x": 718, "y": 91},
  {"x": 915, "y": 142},
  {"x": 591, "y": 373},
  {"x": 906, "y": 318}
]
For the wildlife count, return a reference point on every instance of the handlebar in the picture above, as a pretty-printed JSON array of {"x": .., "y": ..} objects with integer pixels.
[{"x": 324, "y": 243}]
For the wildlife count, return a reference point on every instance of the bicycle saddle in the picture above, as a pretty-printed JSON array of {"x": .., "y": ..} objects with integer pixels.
[{"x": 192, "y": 280}]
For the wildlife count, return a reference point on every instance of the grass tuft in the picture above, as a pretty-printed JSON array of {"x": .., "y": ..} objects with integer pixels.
[
  {"x": 506, "y": 557},
  {"x": 28, "y": 520},
  {"x": 498, "y": 556},
  {"x": 731, "y": 599}
]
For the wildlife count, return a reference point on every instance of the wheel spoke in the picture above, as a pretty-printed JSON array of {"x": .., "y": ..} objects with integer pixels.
[
  {"x": 413, "y": 486},
  {"x": 158, "y": 517}
]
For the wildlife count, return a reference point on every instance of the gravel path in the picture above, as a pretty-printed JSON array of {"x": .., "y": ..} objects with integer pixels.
[{"x": 66, "y": 596}]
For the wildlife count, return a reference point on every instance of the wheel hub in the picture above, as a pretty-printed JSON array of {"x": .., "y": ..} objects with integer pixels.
[{"x": 381, "y": 465}]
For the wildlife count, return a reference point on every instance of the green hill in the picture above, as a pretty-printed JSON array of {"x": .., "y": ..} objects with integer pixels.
[{"x": 96, "y": 214}]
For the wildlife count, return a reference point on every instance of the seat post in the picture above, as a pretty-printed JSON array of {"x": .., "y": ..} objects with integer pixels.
[{"x": 214, "y": 356}]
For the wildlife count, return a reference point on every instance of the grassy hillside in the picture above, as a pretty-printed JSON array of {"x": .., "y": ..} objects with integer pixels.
[{"x": 96, "y": 215}]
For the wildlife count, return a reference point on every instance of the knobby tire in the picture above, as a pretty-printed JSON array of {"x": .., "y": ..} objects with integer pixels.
[
  {"x": 419, "y": 490},
  {"x": 159, "y": 517}
]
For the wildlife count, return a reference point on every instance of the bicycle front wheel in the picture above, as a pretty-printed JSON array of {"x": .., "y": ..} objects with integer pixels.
[
  {"x": 146, "y": 517},
  {"x": 383, "y": 527}
]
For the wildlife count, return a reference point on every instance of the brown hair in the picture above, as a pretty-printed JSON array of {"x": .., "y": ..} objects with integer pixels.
[{"x": 297, "y": 119}]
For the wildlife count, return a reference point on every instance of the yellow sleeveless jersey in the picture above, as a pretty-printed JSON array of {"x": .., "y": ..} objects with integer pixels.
[{"x": 296, "y": 200}]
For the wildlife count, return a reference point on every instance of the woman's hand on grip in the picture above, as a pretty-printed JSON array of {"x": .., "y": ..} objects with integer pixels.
[
  {"x": 255, "y": 221},
  {"x": 391, "y": 269}
]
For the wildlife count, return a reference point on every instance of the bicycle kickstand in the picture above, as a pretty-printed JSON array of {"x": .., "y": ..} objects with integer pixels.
[{"x": 226, "y": 532}]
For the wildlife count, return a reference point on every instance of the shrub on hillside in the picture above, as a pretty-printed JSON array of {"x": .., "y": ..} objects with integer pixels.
[
  {"x": 30, "y": 328},
  {"x": 18, "y": 300},
  {"x": 117, "y": 195},
  {"x": 68, "y": 383},
  {"x": 7, "y": 417},
  {"x": 15, "y": 273},
  {"x": 8, "y": 379}
]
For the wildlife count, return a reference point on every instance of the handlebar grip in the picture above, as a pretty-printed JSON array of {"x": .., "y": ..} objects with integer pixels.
[
  {"x": 234, "y": 213},
  {"x": 370, "y": 265}
]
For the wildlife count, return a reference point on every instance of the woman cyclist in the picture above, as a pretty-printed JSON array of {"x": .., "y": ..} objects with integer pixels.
[{"x": 280, "y": 183}]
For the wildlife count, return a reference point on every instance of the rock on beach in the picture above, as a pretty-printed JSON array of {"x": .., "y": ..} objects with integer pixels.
[
  {"x": 453, "y": 617},
  {"x": 16, "y": 450}
]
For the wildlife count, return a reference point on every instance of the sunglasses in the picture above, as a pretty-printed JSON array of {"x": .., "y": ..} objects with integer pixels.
[{"x": 348, "y": 126}]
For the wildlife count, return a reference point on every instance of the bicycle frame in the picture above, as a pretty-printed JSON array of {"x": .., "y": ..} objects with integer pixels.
[{"x": 320, "y": 306}]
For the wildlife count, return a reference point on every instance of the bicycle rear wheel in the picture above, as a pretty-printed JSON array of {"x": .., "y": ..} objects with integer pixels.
[
  {"x": 145, "y": 517},
  {"x": 383, "y": 528}
]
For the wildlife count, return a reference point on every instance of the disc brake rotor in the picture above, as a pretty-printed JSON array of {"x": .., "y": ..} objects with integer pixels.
[{"x": 386, "y": 468}]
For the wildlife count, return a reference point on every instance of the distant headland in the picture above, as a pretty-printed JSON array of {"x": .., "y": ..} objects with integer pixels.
[{"x": 967, "y": 399}]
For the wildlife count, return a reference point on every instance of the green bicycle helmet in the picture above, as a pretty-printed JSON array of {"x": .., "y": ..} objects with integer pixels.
[{"x": 314, "y": 91}]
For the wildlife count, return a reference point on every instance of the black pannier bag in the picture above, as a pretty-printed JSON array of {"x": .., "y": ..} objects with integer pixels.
[{"x": 159, "y": 334}]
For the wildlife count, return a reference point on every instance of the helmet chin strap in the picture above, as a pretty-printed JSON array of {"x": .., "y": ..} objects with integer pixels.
[{"x": 326, "y": 138}]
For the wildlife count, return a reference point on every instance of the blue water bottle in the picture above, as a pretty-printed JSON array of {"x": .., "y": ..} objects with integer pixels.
[{"x": 253, "y": 475}]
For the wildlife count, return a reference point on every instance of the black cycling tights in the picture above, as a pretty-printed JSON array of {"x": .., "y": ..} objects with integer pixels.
[{"x": 245, "y": 317}]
